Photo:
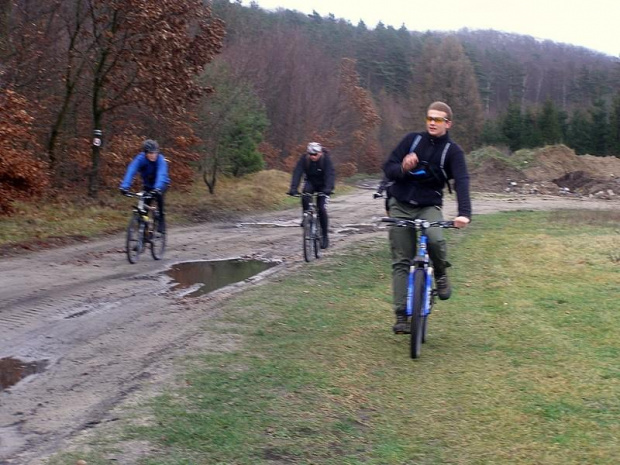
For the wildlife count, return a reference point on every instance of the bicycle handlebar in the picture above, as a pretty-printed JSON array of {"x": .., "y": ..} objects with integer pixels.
[
  {"x": 137, "y": 195},
  {"x": 419, "y": 223}
]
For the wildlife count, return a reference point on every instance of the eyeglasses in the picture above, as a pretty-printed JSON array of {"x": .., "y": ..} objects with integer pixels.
[
  {"x": 314, "y": 154},
  {"x": 436, "y": 119}
]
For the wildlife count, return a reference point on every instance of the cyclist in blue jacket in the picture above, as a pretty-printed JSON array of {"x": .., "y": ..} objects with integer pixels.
[{"x": 153, "y": 169}]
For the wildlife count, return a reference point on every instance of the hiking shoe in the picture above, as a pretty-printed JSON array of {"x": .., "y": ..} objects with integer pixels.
[
  {"x": 324, "y": 242},
  {"x": 402, "y": 325},
  {"x": 443, "y": 287}
]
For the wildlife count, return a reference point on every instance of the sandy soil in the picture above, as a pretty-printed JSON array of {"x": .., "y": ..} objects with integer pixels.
[{"x": 108, "y": 330}]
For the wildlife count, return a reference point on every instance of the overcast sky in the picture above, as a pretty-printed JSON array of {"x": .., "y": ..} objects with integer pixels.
[{"x": 593, "y": 24}]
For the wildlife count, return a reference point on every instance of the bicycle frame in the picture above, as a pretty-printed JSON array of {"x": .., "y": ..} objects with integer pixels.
[
  {"x": 142, "y": 209},
  {"x": 141, "y": 229},
  {"x": 311, "y": 214}
]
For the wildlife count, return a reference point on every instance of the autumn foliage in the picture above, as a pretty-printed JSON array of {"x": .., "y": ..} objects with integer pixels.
[
  {"x": 126, "y": 67},
  {"x": 21, "y": 175}
]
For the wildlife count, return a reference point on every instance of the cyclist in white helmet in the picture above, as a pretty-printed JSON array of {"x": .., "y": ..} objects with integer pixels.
[{"x": 319, "y": 176}]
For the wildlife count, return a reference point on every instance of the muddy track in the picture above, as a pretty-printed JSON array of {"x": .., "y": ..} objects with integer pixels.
[{"x": 103, "y": 329}]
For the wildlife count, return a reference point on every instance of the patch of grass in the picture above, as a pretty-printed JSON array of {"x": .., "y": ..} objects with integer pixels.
[
  {"x": 83, "y": 218},
  {"x": 518, "y": 160},
  {"x": 520, "y": 365},
  {"x": 49, "y": 220}
]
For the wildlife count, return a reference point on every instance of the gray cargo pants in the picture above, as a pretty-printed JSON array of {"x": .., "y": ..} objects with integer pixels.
[{"x": 403, "y": 245}]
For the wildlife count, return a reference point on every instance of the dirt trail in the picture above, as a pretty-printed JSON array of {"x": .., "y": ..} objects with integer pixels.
[{"x": 106, "y": 329}]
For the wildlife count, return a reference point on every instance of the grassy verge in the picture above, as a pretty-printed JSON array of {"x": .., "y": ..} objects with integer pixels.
[
  {"x": 83, "y": 218},
  {"x": 520, "y": 365}
]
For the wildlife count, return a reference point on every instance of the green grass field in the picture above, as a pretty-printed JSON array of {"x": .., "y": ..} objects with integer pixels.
[{"x": 520, "y": 365}]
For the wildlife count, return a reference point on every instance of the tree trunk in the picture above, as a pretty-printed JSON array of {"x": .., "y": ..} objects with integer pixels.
[{"x": 210, "y": 182}]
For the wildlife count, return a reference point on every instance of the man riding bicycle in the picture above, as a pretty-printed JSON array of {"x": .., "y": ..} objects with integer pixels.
[
  {"x": 419, "y": 168},
  {"x": 319, "y": 176},
  {"x": 153, "y": 169}
]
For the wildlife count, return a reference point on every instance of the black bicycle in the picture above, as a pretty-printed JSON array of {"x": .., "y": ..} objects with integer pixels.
[
  {"x": 420, "y": 291},
  {"x": 144, "y": 228},
  {"x": 312, "y": 232}
]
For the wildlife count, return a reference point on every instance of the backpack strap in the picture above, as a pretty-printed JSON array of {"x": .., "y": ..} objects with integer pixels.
[
  {"x": 415, "y": 143},
  {"x": 441, "y": 163}
]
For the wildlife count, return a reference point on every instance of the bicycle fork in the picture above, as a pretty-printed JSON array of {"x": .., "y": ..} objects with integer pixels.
[
  {"x": 421, "y": 263},
  {"x": 428, "y": 290}
]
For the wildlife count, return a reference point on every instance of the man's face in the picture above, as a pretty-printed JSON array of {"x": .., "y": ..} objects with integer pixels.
[
  {"x": 315, "y": 156},
  {"x": 151, "y": 156},
  {"x": 437, "y": 123}
]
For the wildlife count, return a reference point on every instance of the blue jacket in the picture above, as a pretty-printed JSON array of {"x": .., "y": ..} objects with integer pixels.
[{"x": 154, "y": 173}]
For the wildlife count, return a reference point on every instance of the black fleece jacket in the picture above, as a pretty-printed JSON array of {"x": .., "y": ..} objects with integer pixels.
[
  {"x": 410, "y": 189},
  {"x": 320, "y": 174}
]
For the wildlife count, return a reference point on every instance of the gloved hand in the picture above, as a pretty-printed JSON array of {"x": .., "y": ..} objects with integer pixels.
[
  {"x": 328, "y": 193},
  {"x": 293, "y": 193},
  {"x": 156, "y": 191},
  {"x": 123, "y": 191}
]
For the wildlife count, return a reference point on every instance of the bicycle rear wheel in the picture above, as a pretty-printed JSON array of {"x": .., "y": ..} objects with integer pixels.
[
  {"x": 308, "y": 240},
  {"x": 134, "y": 244},
  {"x": 158, "y": 239},
  {"x": 417, "y": 316}
]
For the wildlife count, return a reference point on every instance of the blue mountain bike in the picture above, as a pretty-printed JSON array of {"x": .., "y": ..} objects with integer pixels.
[{"x": 420, "y": 286}]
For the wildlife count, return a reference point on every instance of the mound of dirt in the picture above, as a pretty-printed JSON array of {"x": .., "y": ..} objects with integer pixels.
[
  {"x": 553, "y": 162},
  {"x": 494, "y": 175},
  {"x": 554, "y": 170}
]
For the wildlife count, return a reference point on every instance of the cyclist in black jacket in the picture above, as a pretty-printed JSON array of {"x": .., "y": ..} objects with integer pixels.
[
  {"x": 420, "y": 167},
  {"x": 319, "y": 176}
]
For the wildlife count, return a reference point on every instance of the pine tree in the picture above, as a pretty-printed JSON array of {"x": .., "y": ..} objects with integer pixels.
[
  {"x": 599, "y": 128},
  {"x": 512, "y": 126},
  {"x": 549, "y": 124},
  {"x": 579, "y": 137},
  {"x": 531, "y": 135},
  {"x": 614, "y": 126}
]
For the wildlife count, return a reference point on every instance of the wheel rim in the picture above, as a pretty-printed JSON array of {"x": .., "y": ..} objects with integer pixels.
[
  {"x": 317, "y": 239},
  {"x": 417, "y": 317},
  {"x": 158, "y": 241},
  {"x": 307, "y": 239},
  {"x": 134, "y": 240}
]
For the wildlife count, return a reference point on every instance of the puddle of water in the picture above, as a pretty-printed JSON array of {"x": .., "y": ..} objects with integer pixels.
[
  {"x": 214, "y": 274},
  {"x": 13, "y": 370}
]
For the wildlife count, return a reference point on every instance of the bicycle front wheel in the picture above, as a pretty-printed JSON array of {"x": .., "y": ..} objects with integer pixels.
[
  {"x": 158, "y": 237},
  {"x": 308, "y": 239},
  {"x": 318, "y": 237},
  {"x": 134, "y": 244},
  {"x": 418, "y": 319}
]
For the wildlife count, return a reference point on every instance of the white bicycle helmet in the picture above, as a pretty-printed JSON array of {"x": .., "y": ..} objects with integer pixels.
[{"x": 314, "y": 147}]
